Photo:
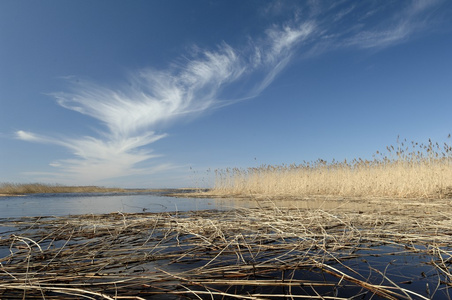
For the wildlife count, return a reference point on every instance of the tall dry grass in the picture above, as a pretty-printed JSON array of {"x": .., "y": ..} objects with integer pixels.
[
  {"x": 409, "y": 169},
  {"x": 38, "y": 188}
]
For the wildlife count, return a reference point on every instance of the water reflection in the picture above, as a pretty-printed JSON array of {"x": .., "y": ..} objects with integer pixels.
[{"x": 98, "y": 203}]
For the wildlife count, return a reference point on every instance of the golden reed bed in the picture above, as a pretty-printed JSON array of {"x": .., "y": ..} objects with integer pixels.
[{"x": 408, "y": 170}]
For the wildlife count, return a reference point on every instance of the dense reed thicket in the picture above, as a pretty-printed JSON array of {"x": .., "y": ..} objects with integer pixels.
[
  {"x": 38, "y": 188},
  {"x": 409, "y": 169}
]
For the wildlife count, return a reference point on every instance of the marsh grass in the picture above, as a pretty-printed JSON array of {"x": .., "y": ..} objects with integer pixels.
[
  {"x": 262, "y": 253},
  {"x": 38, "y": 188},
  {"x": 408, "y": 170}
]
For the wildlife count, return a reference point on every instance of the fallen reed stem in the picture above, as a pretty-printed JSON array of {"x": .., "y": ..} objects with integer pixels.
[{"x": 245, "y": 253}]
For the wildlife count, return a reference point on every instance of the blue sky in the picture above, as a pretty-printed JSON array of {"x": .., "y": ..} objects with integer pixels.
[{"x": 157, "y": 93}]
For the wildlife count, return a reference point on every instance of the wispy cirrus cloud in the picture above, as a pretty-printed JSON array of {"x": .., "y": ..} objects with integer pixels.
[
  {"x": 97, "y": 159},
  {"x": 397, "y": 25},
  {"x": 369, "y": 25},
  {"x": 279, "y": 53},
  {"x": 129, "y": 114}
]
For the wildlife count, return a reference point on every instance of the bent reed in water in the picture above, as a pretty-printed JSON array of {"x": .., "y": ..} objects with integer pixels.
[
  {"x": 38, "y": 188},
  {"x": 409, "y": 170},
  {"x": 270, "y": 252}
]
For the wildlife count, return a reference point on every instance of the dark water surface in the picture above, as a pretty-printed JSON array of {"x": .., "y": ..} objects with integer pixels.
[{"x": 99, "y": 203}]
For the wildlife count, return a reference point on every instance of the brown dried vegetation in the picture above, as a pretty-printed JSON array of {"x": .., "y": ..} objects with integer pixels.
[
  {"x": 269, "y": 252},
  {"x": 38, "y": 188}
]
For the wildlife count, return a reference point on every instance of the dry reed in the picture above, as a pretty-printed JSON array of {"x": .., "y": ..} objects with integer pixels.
[
  {"x": 411, "y": 170},
  {"x": 263, "y": 253}
]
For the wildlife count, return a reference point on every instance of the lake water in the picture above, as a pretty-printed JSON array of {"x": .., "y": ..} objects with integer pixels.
[{"x": 99, "y": 203}]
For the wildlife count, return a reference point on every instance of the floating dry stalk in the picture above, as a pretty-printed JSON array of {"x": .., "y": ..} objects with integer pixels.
[{"x": 260, "y": 253}]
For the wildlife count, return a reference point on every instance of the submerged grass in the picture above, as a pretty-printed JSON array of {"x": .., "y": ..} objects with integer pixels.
[
  {"x": 408, "y": 170},
  {"x": 263, "y": 253}
]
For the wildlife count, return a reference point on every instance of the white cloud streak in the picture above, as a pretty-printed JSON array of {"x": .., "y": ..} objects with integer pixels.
[
  {"x": 155, "y": 96},
  {"x": 129, "y": 114},
  {"x": 97, "y": 159},
  {"x": 276, "y": 57},
  {"x": 395, "y": 28}
]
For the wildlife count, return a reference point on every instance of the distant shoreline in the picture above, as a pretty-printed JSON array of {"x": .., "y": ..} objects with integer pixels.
[{"x": 9, "y": 190}]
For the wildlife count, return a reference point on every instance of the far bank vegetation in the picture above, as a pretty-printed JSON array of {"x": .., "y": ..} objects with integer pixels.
[
  {"x": 38, "y": 188},
  {"x": 407, "y": 170}
]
